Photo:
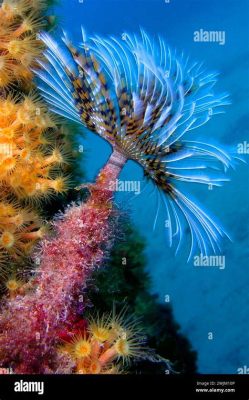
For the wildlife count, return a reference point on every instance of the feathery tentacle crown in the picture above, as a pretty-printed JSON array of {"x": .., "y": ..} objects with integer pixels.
[{"x": 145, "y": 100}]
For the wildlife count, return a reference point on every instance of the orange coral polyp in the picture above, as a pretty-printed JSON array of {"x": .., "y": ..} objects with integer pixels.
[
  {"x": 113, "y": 337},
  {"x": 24, "y": 117},
  {"x": 5, "y": 79},
  {"x": 58, "y": 184},
  {"x": 7, "y": 165},
  {"x": 34, "y": 235},
  {"x": 15, "y": 48},
  {"x": 20, "y": 228},
  {"x": 29, "y": 24},
  {"x": 8, "y": 132},
  {"x": 7, "y": 240},
  {"x": 26, "y": 171},
  {"x": 20, "y": 30},
  {"x": 100, "y": 334},
  {"x": 26, "y": 60},
  {"x": 24, "y": 188},
  {"x": 82, "y": 348},
  {"x": 19, "y": 8},
  {"x": 17, "y": 220},
  {"x": 95, "y": 367},
  {"x": 25, "y": 154},
  {"x": 7, "y": 147},
  {"x": 22, "y": 73},
  {"x": 108, "y": 356},
  {"x": 7, "y": 107},
  {"x": 6, "y": 209},
  {"x": 55, "y": 158},
  {"x": 32, "y": 103},
  {"x": 8, "y": 11},
  {"x": 19, "y": 48},
  {"x": 44, "y": 121},
  {"x": 6, "y": 66},
  {"x": 122, "y": 347},
  {"x": 13, "y": 284}
]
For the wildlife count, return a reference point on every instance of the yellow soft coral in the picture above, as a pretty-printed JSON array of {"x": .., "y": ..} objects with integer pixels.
[
  {"x": 32, "y": 155},
  {"x": 29, "y": 161},
  {"x": 20, "y": 21},
  {"x": 19, "y": 8},
  {"x": 20, "y": 228},
  {"x": 107, "y": 340}
]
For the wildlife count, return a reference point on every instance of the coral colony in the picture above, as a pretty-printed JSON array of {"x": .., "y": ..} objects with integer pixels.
[
  {"x": 30, "y": 159},
  {"x": 145, "y": 101}
]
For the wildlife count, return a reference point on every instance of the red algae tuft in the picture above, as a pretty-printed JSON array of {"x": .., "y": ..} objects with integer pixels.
[{"x": 30, "y": 324}]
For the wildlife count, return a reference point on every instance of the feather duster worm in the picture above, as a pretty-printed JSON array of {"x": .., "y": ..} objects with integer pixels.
[
  {"x": 143, "y": 100},
  {"x": 146, "y": 102}
]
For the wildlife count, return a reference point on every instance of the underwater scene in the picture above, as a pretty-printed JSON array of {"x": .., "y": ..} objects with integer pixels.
[{"x": 124, "y": 187}]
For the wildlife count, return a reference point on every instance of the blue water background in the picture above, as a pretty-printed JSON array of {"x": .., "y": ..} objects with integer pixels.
[{"x": 204, "y": 300}]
